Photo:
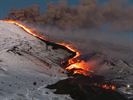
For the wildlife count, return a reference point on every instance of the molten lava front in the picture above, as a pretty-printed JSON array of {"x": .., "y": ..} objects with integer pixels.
[
  {"x": 80, "y": 67},
  {"x": 106, "y": 86},
  {"x": 77, "y": 66}
]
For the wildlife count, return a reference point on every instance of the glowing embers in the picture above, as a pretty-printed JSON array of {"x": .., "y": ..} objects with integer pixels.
[{"x": 106, "y": 86}]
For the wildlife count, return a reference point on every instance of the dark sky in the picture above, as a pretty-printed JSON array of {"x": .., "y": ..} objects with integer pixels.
[{"x": 6, "y": 5}]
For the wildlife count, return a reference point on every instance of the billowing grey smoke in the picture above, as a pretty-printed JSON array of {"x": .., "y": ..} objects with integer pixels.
[
  {"x": 90, "y": 27},
  {"x": 115, "y": 15},
  {"x": 87, "y": 41}
]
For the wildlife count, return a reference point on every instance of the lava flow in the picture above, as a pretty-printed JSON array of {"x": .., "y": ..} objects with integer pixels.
[
  {"x": 78, "y": 67},
  {"x": 75, "y": 65}
]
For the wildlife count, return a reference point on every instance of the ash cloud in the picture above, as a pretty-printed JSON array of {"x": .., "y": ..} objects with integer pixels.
[
  {"x": 88, "y": 26},
  {"x": 87, "y": 14}
]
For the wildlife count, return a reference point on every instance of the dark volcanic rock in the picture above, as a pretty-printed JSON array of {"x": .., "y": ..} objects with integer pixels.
[{"x": 82, "y": 88}]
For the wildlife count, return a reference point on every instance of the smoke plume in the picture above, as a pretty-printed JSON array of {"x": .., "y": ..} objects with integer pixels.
[
  {"x": 116, "y": 14},
  {"x": 88, "y": 26}
]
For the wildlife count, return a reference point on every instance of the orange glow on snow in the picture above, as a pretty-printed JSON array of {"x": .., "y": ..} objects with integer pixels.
[{"x": 107, "y": 86}]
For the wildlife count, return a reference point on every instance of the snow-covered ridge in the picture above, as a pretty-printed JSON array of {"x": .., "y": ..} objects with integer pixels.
[{"x": 27, "y": 65}]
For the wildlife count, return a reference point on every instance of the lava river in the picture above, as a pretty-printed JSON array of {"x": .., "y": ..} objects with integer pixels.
[{"x": 76, "y": 66}]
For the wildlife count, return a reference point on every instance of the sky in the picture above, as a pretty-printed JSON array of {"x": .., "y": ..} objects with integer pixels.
[{"x": 7, "y": 5}]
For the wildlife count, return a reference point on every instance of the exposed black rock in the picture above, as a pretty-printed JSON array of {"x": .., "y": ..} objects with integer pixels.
[{"x": 82, "y": 88}]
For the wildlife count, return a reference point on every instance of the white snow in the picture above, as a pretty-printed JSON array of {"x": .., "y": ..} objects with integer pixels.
[{"x": 27, "y": 66}]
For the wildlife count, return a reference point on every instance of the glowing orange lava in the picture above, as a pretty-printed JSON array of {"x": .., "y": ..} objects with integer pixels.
[
  {"x": 107, "y": 86},
  {"x": 25, "y": 28},
  {"x": 75, "y": 65},
  {"x": 78, "y": 66},
  {"x": 70, "y": 48}
]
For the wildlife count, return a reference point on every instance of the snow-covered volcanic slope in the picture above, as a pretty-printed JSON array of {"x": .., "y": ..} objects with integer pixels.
[{"x": 27, "y": 65}]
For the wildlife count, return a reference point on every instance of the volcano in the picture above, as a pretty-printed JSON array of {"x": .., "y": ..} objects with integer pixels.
[{"x": 30, "y": 65}]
